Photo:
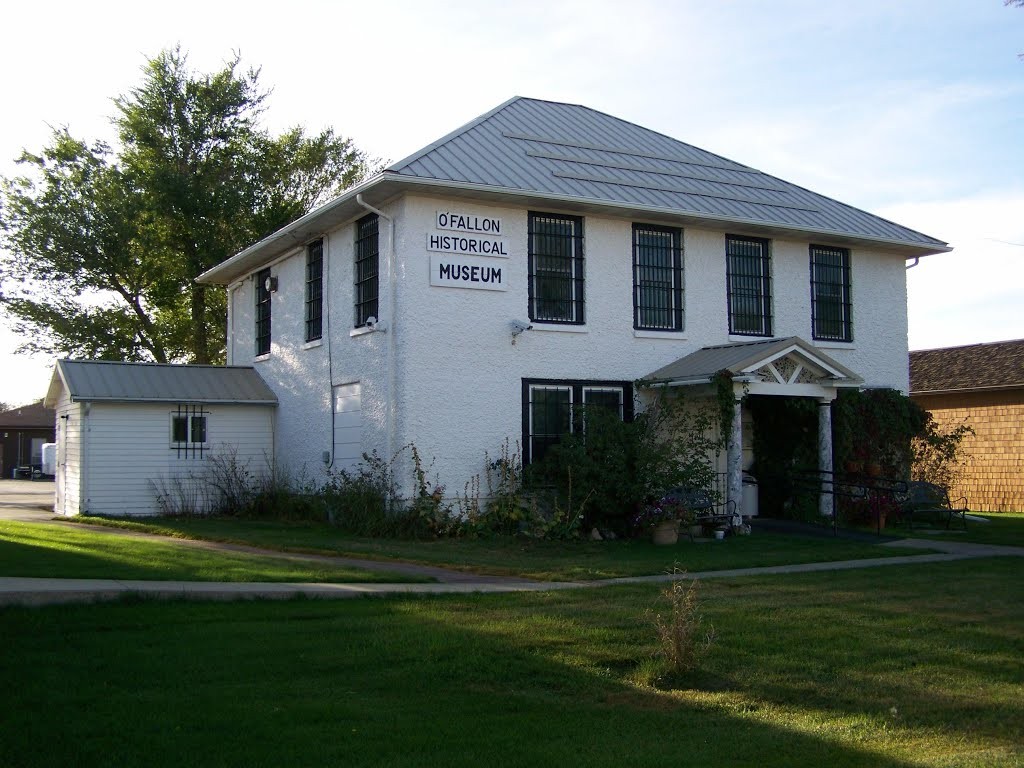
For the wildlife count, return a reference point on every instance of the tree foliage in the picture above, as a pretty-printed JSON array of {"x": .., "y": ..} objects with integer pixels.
[{"x": 103, "y": 246}]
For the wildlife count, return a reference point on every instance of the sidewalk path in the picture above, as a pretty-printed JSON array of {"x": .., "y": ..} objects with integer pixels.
[{"x": 25, "y": 591}]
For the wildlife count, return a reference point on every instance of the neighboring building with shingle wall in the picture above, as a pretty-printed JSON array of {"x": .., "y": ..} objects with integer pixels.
[{"x": 982, "y": 384}]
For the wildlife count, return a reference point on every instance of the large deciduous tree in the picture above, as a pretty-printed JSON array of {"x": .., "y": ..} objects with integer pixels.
[{"x": 103, "y": 246}]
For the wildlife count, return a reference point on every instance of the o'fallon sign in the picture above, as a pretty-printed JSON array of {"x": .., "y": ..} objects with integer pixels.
[{"x": 467, "y": 251}]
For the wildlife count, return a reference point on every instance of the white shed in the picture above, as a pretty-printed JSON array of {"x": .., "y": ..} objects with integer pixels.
[{"x": 127, "y": 430}]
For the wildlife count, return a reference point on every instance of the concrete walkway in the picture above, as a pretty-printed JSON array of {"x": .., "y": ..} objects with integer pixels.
[{"x": 27, "y": 502}]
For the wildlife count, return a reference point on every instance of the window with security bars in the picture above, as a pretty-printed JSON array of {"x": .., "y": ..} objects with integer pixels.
[
  {"x": 367, "y": 269},
  {"x": 550, "y": 410},
  {"x": 748, "y": 276},
  {"x": 315, "y": 291},
  {"x": 556, "y": 268},
  {"x": 657, "y": 278},
  {"x": 831, "y": 318},
  {"x": 188, "y": 431},
  {"x": 263, "y": 312}
]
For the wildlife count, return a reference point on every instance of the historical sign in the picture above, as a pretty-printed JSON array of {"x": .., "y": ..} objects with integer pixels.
[{"x": 468, "y": 272}]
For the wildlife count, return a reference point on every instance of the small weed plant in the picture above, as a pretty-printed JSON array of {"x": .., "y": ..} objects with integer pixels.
[{"x": 682, "y": 633}]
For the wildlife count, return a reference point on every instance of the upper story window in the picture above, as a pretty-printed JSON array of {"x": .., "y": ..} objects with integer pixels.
[
  {"x": 367, "y": 270},
  {"x": 315, "y": 290},
  {"x": 657, "y": 278},
  {"x": 550, "y": 410},
  {"x": 263, "y": 312},
  {"x": 556, "y": 268},
  {"x": 831, "y": 318},
  {"x": 749, "y": 279}
]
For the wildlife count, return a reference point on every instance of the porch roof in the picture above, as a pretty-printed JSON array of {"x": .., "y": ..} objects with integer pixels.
[{"x": 744, "y": 358}]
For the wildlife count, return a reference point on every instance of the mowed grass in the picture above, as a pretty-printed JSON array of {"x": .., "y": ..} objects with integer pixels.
[
  {"x": 902, "y": 666},
  {"x": 510, "y": 556},
  {"x": 1004, "y": 528},
  {"x": 49, "y": 550}
]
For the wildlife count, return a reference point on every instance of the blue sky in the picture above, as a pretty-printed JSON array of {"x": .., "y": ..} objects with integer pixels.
[{"x": 912, "y": 110}]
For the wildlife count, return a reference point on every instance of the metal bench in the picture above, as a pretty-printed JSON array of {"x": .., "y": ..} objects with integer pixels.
[
  {"x": 709, "y": 513},
  {"x": 928, "y": 500}
]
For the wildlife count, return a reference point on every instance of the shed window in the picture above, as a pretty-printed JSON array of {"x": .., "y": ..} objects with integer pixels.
[{"x": 189, "y": 430}]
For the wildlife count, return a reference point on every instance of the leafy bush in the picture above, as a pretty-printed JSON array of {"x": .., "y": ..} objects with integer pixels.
[{"x": 620, "y": 466}]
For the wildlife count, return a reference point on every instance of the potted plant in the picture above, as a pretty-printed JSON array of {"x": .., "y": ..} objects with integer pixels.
[{"x": 662, "y": 518}]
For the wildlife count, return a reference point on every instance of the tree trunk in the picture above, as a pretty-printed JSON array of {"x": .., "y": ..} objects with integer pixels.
[{"x": 200, "y": 333}]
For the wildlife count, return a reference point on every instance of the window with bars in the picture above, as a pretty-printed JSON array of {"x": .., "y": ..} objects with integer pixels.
[
  {"x": 831, "y": 318},
  {"x": 188, "y": 431},
  {"x": 748, "y": 275},
  {"x": 550, "y": 409},
  {"x": 367, "y": 269},
  {"x": 315, "y": 290},
  {"x": 556, "y": 268},
  {"x": 263, "y": 312},
  {"x": 657, "y": 278}
]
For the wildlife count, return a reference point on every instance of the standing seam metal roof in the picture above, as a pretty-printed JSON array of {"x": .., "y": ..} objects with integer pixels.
[
  {"x": 574, "y": 151},
  {"x": 95, "y": 380}
]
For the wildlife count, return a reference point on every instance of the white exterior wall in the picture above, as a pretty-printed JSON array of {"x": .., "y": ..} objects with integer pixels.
[
  {"x": 306, "y": 379},
  {"x": 126, "y": 449},
  {"x": 67, "y": 498},
  {"x": 459, "y": 377}
]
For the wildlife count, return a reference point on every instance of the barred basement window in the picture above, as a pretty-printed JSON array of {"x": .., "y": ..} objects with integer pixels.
[
  {"x": 831, "y": 317},
  {"x": 188, "y": 431},
  {"x": 748, "y": 273},
  {"x": 263, "y": 312},
  {"x": 657, "y": 278},
  {"x": 555, "y": 268},
  {"x": 549, "y": 409},
  {"x": 314, "y": 290},
  {"x": 366, "y": 269}
]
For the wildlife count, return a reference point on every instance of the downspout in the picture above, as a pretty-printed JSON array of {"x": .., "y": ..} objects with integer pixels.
[
  {"x": 917, "y": 260},
  {"x": 392, "y": 395},
  {"x": 83, "y": 481}
]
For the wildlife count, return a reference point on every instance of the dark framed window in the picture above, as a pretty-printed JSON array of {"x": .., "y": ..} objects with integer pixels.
[
  {"x": 263, "y": 312},
  {"x": 657, "y": 278},
  {"x": 748, "y": 275},
  {"x": 550, "y": 409},
  {"x": 367, "y": 269},
  {"x": 556, "y": 268},
  {"x": 189, "y": 430},
  {"x": 315, "y": 291},
  {"x": 831, "y": 316}
]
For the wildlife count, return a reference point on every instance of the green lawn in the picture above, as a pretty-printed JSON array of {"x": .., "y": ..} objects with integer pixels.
[
  {"x": 545, "y": 560},
  {"x": 901, "y": 666},
  {"x": 62, "y": 551},
  {"x": 1005, "y": 528}
]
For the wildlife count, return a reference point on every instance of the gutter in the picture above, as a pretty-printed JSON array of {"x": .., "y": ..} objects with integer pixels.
[{"x": 390, "y": 327}]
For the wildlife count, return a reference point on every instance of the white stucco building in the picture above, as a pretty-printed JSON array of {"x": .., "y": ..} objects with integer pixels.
[{"x": 547, "y": 254}]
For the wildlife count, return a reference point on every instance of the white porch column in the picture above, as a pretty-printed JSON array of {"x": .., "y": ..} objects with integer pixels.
[
  {"x": 825, "y": 505},
  {"x": 734, "y": 457}
]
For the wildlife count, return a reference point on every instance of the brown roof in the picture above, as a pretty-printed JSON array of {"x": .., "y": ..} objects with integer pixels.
[
  {"x": 998, "y": 364},
  {"x": 34, "y": 415}
]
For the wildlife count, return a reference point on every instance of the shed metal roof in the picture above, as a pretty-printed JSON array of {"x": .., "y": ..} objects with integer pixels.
[
  {"x": 993, "y": 365},
  {"x": 101, "y": 380},
  {"x": 544, "y": 153},
  {"x": 742, "y": 357}
]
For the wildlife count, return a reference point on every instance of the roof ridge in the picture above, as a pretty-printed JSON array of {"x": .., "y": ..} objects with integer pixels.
[
  {"x": 151, "y": 364},
  {"x": 967, "y": 346}
]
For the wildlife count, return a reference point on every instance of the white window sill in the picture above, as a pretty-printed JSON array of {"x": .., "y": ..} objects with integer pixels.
[
  {"x": 552, "y": 328},
  {"x": 823, "y": 344},
  {"x": 261, "y": 358},
  {"x": 734, "y": 337},
  {"x": 313, "y": 344},
  {"x": 364, "y": 330},
  {"x": 645, "y": 334}
]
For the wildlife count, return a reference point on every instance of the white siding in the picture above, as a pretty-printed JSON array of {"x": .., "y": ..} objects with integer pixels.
[
  {"x": 69, "y": 455},
  {"x": 129, "y": 451}
]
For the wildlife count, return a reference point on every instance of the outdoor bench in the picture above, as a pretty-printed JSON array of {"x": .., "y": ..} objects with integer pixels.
[
  {"x": 709, "y": 514},
  {"x": 930, "y": 501}
]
